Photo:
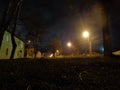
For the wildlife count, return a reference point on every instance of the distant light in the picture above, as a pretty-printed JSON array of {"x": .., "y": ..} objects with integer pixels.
[
  {"x": 29, "y": 41},
  {"x": 86, "y": 34},
  {"x": 51, "y": 55},
  {"x": 57, "y": 51},
  {"x": 69, "y": 44},
  {"x": 102, "y": 49}
]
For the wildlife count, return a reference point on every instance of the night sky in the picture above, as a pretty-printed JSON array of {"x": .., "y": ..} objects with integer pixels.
[{"x": 67, "y": 19}]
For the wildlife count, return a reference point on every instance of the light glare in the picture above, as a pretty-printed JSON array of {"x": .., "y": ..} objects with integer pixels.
[
  {"x": 69, "y": 44},
  {"x": 86, "y": 34}
]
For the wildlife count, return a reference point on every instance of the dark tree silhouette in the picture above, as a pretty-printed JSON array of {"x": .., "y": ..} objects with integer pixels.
[
  {"x": 55, "y": 45},
  {"x": 106, "y": 28},
  {"x": 10, "y": 18},
  {"x": 5, "y": 21},
  {"x": 16, "y": 14}
]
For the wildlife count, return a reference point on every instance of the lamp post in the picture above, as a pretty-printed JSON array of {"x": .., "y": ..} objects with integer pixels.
[{"x": 87, "y": 35}]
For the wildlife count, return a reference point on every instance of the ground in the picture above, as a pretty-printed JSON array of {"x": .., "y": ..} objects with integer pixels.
[{"x": 96, "y": 73}]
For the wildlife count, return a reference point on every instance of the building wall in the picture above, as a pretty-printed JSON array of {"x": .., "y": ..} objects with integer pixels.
[
  {"x": 30, "y": 52},
  {"x": 19, "y": 52},
  {"x": 6, "y": 47},
  {"x": 116, "y": 52}
]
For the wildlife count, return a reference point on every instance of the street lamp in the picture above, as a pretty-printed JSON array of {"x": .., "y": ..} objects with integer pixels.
[
  {"x": 87, "y": 35},
  {"x": 29, "y": 41},
  {"x": 57, "y": 51},
  {"x": 69, "y": 44}
]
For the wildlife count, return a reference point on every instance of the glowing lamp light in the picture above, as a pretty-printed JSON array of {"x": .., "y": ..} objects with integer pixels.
[
  {"x": 57, "y": 51},
  {"x": 29, "y": 41},
  {"x": 51, "y": 55},
  {"x": 86, "y": 34},
  {"x": 69, "y": 44},
  {"x": 102, "y": 49}
]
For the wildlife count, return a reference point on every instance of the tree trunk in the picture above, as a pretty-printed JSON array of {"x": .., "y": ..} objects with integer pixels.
[
  {"x": 107, "y": 40},
  {"x": 106, "y": 33},
  {"x": 14, "y": 46},
  {"x": 17, "y": 13},
  {"x": 35, "y": 46},
  {"x": 4, "y": 24}
]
